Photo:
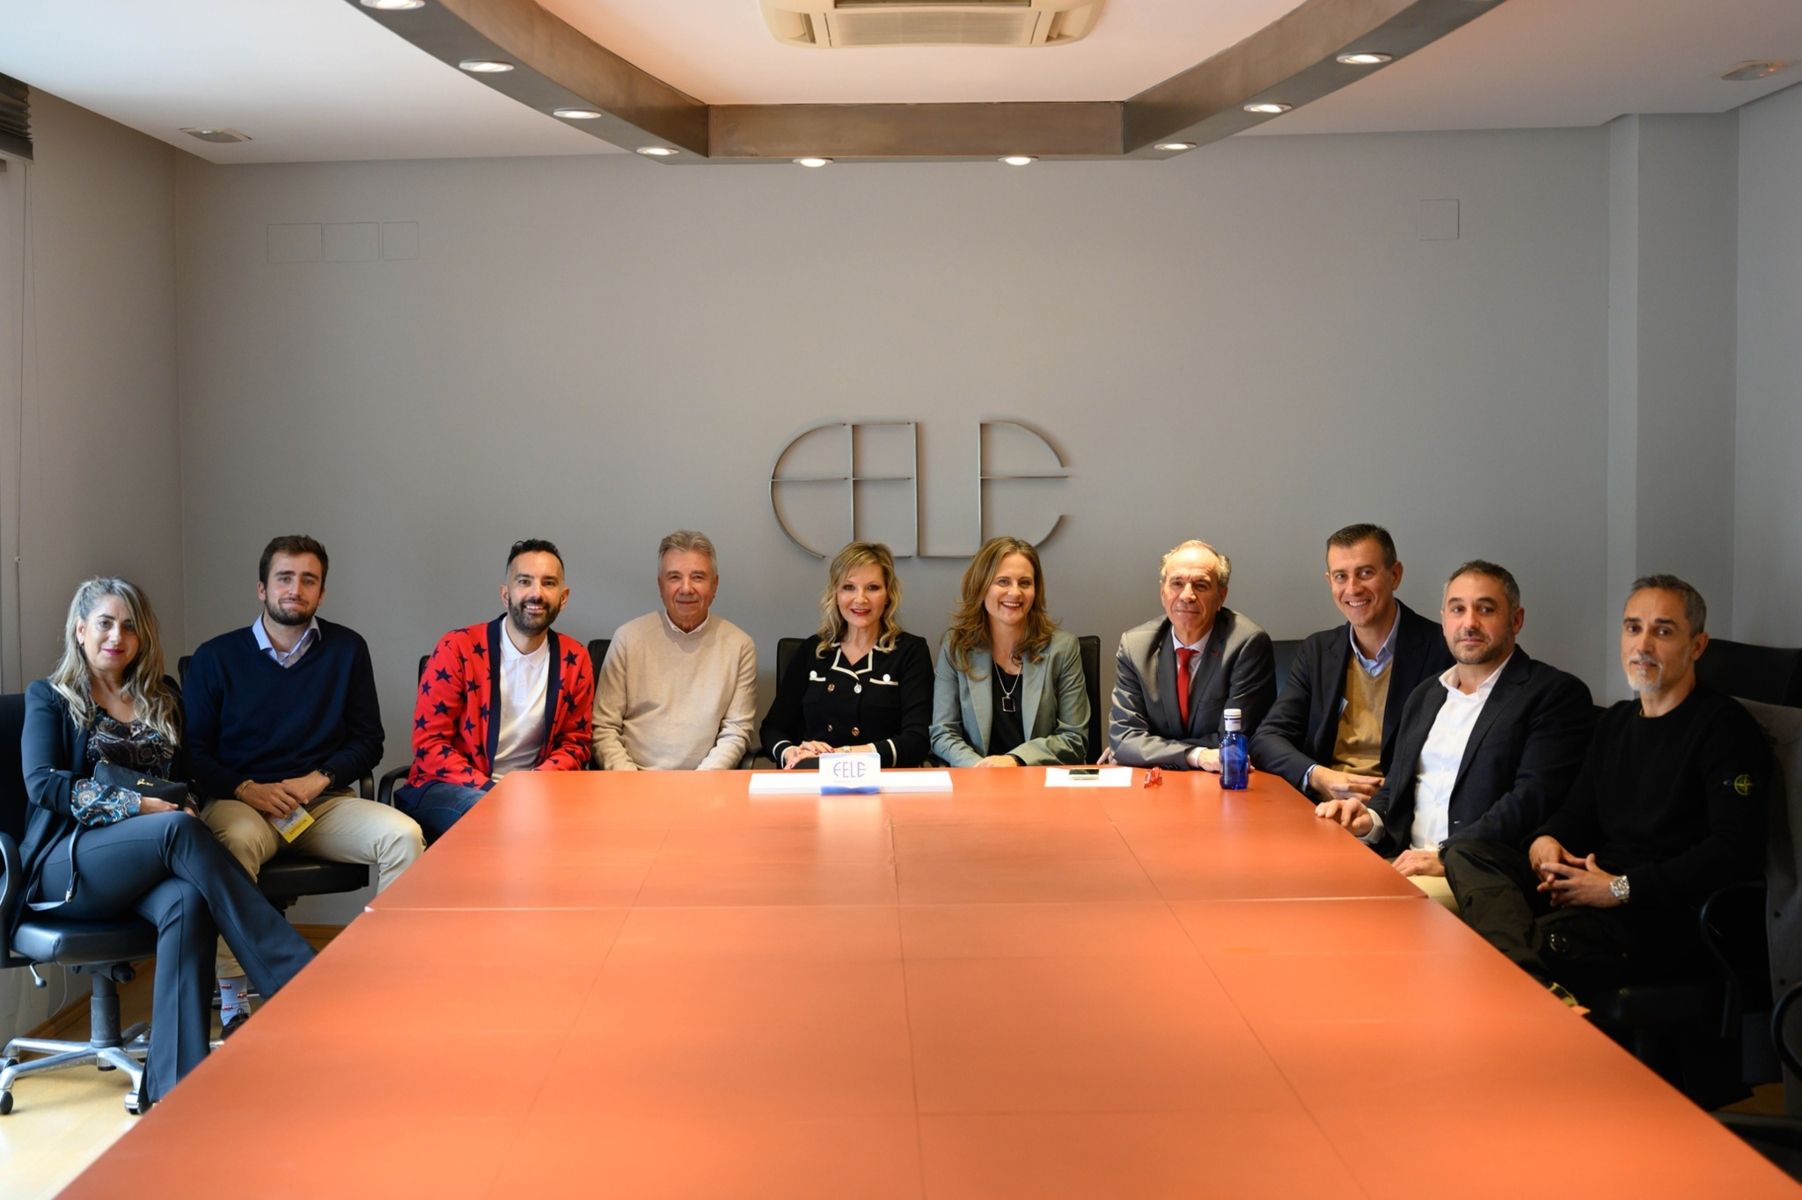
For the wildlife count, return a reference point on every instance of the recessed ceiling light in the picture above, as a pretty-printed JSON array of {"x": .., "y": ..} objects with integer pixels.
[
  {"x": 657, "y": 151},
  {"x": 578, "y": 114},
  {"x": 223, "y": 137},
  {"x": 1746, "y": 72},
  {"x": 485, "y": 66},
  {"x": 813, "y": 160},
  {"x": 393, "y": 5},
  {"x": 1019, "y": 160},
  {"x": 1268, "y": 106},
  {"x": 1174, "y": 146},
  {"x": 1369, "y": 58}
]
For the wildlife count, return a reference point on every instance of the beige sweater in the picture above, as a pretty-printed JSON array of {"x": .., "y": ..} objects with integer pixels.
[{"x": 673, "y": 701}]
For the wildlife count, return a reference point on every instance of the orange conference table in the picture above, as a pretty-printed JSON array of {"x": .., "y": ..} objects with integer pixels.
[{"x": 656, "y": 984}]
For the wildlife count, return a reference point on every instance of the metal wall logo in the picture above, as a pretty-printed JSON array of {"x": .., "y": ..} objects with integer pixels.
[{"x": 868, "y": 472}]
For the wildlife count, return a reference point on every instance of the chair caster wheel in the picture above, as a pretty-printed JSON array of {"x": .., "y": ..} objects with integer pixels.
[
  {"x": 6, "y": 1103},
  {"x": 136, "y": 1105}
]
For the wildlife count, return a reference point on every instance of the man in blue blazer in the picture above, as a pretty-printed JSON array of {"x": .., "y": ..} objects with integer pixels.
[
  {"x": 1174, "y": 677},
  {"x": 1486, "y": 750},
  {"x": 1331, "y": 733}
]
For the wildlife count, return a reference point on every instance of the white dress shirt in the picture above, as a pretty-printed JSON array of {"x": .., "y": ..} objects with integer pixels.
[{"x": 1439, "y": 759}]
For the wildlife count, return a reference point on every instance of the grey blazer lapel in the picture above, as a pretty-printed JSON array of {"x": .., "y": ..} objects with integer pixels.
[
  {"x": 979, "y": 681},
  {"x": 1207, "y": 676},
  {"x": 1032, "y": 687}
]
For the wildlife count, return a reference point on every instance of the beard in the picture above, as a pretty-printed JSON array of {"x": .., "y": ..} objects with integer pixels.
[
  {"x": 1645, "y": 678},
  {"x": 292, "y": 620},
  {"x": 527, "y": 622}
]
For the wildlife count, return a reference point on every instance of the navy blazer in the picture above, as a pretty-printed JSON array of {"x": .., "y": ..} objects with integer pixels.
[
  {"x": 1523, "y": 753},
  {"x": 1237, "y": 670},
  {"x": 1302, "y": 728},
  {"x": 53, "y": 755}
]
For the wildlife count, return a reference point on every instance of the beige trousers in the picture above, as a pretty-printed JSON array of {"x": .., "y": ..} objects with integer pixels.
[
  {"x": 345, "y": 828},
  {"x": 1436, "y": 888}
]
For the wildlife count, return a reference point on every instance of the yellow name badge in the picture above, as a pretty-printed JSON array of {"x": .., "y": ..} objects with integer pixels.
[
  {"x": 850, "y": 774},
  {"x": 292, "y": 825}
]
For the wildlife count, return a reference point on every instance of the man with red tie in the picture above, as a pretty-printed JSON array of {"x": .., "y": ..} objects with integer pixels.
[{"x": 1174, "y": 677}]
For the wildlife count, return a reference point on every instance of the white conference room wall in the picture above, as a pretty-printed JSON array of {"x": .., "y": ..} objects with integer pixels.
[
  {"x": 95, "y": 473},
  {"x": 1768, "y": 502},
  {"x": 90, "y": 456},
  {"x": 1253, "y": 345}
]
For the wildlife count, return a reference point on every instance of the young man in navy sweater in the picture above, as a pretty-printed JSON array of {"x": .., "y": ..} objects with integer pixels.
[{"x": 282, "y": 715}]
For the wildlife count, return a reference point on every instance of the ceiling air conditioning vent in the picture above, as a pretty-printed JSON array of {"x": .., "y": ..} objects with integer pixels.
[{"x": 836, "y": 24}]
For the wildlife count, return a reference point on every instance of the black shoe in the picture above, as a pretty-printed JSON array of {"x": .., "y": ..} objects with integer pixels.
[{"x": 232, "y": 1026}]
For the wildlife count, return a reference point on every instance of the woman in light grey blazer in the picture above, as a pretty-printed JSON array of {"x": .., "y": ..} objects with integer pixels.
[{"x": 1008, "y": 688}]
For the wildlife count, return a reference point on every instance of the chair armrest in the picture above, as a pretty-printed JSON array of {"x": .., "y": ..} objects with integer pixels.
[
  {"x": 1791, "y": 1055},
  {"x": 12, "y": 885},
  {"x": 1732, "y": 928},
  {"x": 385, "y": 793}
]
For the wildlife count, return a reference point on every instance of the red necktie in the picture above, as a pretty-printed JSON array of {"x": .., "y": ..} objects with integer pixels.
[{"x": 1184, "y": 656}]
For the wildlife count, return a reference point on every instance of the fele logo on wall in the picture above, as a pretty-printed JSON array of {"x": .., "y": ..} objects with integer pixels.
[{"x": 865, "y": 480}]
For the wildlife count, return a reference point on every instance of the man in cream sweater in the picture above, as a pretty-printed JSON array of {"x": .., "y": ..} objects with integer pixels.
[{"x": 679, "y": 688}]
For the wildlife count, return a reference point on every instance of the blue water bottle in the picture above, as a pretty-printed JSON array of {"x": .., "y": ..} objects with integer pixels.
[{"x": 1235, "y": 764}]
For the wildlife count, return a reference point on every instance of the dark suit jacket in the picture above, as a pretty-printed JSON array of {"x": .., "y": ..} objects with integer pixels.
[
  {"x": 1522, "y": 755},
  {"x": 1303, "y": 725},
  {"x": 1237, "y": 670}
]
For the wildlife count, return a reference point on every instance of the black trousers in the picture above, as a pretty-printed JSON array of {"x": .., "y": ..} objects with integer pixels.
[
  {"x": 1585, "y": 949},
  {"x": 170, "y": 869}
]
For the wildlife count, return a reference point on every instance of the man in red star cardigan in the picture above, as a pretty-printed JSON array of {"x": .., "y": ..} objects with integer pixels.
[{"x": 478, "y": 711}]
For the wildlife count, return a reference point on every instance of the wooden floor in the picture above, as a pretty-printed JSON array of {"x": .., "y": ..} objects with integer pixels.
[{"x": 63, "y": 1121}]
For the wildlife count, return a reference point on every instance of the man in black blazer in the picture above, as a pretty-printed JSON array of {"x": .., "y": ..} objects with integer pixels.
[
  {"x": 1486, "y": 750},
  {"x": 1314, "y": 737},
  {"x": 1175, "y": 677}
]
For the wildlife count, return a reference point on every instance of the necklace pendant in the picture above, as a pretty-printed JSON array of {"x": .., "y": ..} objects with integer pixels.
[{"x": 1008, "y": 705}]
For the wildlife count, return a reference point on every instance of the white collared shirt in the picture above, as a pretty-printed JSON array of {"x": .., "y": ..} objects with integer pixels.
[
  {"x": 681, "y": 632},
  {"x": 1440, "y": 756},
  {"x": 307, "y": 638},
  {"x": 524, "y": 679},
  {"x": 1198, "y": 647}
]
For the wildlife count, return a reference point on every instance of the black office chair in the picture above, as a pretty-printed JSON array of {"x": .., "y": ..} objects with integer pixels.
[
  {"x": 384, "y": 791},
  {"x": 597, "y": 653},
  {"x": 785, "y": 654},
  {"x": 285, "y": 878},
  {"x": 1090, "y": 646},
  {"x": 1778, "y": 1137},
  {"x": 1767, "y": 674},
  {"x": 1285, "y": 651},
  {"x": 102, "y": 950}
]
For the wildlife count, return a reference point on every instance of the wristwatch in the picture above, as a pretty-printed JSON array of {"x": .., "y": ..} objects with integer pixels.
[{"x": 1618, "y": 888}]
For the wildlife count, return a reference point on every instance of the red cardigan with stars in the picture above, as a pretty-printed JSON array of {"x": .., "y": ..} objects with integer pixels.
[{"x": 456, "y": 716}]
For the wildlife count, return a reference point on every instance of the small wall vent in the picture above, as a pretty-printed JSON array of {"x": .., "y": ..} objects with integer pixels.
[{"x": 840, "y": 24}]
